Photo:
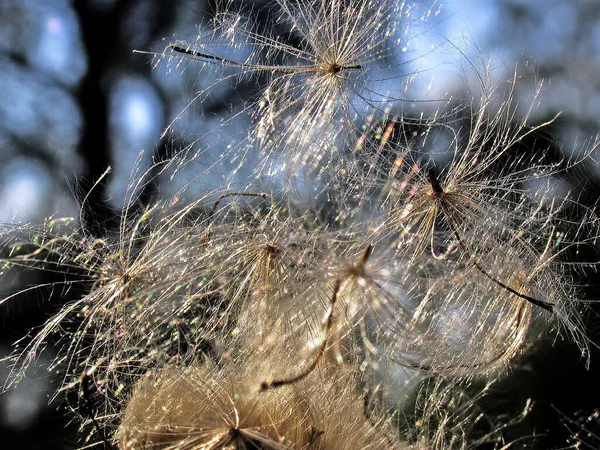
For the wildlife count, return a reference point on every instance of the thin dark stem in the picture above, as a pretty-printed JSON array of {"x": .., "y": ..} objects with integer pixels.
[
  {"x": 189, "y": 51},
  {"x": 357, "y": 270},
  {"x": 440, "y": 194},
  {"x": 477, "y": 264},
  {"x": 265, "y": 385},
  {"x": 278, "y": 69},
  {"x": 86, "y": 394}
]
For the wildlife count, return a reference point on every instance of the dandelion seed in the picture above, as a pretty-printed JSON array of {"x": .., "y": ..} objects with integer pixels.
[
  {"x": 345, "y": 51},
  {"x": 356, "y": 288},
  {"x": 146, "y": 301},
  {"x": 447, "y": 205},
  {"x": 493, "y": 221},
  {"x": 210, "y": 407}
]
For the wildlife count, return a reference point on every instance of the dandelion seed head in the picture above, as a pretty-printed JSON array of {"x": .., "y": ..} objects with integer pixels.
[
  {"x": 207, "y": 405},
  {"x": 341, "y": 48}
]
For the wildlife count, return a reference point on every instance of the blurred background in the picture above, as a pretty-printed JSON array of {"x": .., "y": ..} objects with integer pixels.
[{"x": 75, "y": 99}]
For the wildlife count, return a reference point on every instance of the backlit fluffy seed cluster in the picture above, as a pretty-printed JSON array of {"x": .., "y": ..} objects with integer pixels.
[
  {"x": 343, "y": 66},
  {"x": 302, "y": 316},
  {"x": 207, "y": 406}
]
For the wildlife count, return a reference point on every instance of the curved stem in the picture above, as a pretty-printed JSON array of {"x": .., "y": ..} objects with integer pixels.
[{"x": 265, "y": 385}]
